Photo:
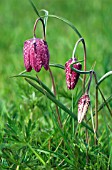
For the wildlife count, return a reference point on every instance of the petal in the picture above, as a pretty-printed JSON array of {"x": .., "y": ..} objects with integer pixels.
[
  {"x": 45, "y": 55},
  {"x": 35, "y": 57},
  {"x": 83, "y": 105},
  {"x": 71, "y": 76},
  {"x": 26, "y": 53}
]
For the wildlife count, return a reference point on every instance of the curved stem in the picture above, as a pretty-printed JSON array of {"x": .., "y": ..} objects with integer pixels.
[
  {"x": 35, "y": 26},
  {"x": 65, "y": 21},
  {"x": 79, "y": 71},
  {"x": 84, "y": 46},
  {"x": 75, "y": 47},
  {"x": 104, "y": 77},
  {"x": 45, "y": 19}
]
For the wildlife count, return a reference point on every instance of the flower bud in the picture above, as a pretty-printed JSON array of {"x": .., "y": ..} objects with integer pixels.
[
  {"x": 83, "y": 105},
  {"x": 71, "y": 76},
  {"x": 36, "y": 54}
]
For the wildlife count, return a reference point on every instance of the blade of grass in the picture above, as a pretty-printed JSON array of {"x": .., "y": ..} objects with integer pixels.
[{"x": 36, "y": 154}]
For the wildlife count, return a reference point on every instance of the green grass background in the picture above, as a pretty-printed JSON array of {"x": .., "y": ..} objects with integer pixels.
[{"x": 93, "y": 19}]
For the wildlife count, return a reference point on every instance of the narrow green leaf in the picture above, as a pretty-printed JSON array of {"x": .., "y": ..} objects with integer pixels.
[
  {"x": 56, "y": 154},
  {"x": 110, "y": 111},
  {"x": 67, "y": 22},
  {"x": 57, "y": 102},
  {"x": 104, "y": 77},
  {"x": 102, "y": 106},
  {"x": 36, "y": 154},
  {"x": 37, "y": 80},
  {"x": 35, "y": 9},
  {"x": 57, "y": 65}
]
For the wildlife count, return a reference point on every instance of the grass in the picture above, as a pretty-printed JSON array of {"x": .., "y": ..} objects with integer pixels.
[{"x": 30, "y": 137}]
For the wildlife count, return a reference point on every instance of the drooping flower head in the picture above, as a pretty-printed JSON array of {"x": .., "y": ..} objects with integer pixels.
[
  {"x": 71, "y": 76},
  {"x": 36, "y": 53},
  {"x": 83, "y": 105}
]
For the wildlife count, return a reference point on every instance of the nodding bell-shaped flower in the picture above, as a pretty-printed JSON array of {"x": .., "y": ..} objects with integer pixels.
[
  {"x": 83, "y": 105},
  {"x": 36, "y": 53},
  {"x": 71, "y": 76}
]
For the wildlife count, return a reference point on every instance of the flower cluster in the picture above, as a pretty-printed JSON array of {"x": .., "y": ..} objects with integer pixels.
[{"x": 36, "y": 55}]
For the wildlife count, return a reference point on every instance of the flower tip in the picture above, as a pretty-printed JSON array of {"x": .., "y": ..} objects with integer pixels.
[
  {"x": 83, "y": 105},
  {"x": 79, "y": 121}
]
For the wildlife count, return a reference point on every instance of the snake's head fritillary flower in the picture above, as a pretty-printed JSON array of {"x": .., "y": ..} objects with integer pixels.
[
  {"x": 83, "y": 105},
  {"x": 71, "y": 76},
  {"x": 36, "y": 54}
]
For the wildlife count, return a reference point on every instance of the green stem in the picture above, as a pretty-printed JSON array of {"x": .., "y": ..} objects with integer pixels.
[
  {"x": 67, "y": 22},
  {"x": 84, "y": 76},
  {"x": 110, "y": 111},
  {"x": 89, "y": 83},
  {"x": 35, "y": 25},
  {"x": 101, "y": 106},
  {"x": 54, "y": 90},
  {"x": 75, "y": 47},
  {"x": 57, "y": 65},
  {"x": 79, "y": 71},
  {"x": 96, "y": 108},
  {"x": 87, "y": 141},
  {"x": 84, "y": 46}
]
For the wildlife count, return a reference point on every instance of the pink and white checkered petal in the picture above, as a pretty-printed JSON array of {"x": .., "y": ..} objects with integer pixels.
[
  {"x": 68, "y": 73},
  {"x": 75, "y": 76},
  {"x": 26, "y": 53},
  {"x": 44, "y": 53},
  {"x": 35, "y": 58},
  {"x": 71, "y": 76},
  {"x": 80, "y": 113},
  {"x": 83, "y": 105}
]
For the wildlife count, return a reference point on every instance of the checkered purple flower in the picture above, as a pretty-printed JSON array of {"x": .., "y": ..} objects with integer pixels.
[
  {"x": 71, "y": 76},
  {"x": 36, "y": 54},
  {"x": 83, "y": 105}
]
